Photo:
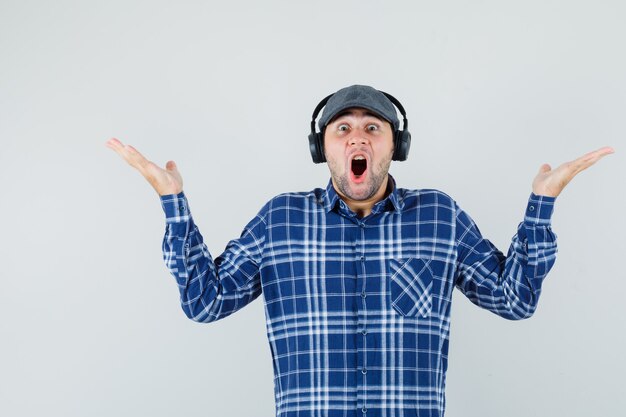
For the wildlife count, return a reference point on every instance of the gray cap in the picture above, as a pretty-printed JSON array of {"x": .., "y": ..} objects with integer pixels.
[{"x": 361, "y": 96}]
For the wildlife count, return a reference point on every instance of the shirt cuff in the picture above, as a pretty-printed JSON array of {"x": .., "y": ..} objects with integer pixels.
[
  {"x": 539, "y": 209},
  {"x": 175, "y": 207}
]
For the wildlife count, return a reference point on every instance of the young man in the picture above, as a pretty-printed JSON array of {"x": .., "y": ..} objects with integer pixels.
[{"x": 357, "y": 278}]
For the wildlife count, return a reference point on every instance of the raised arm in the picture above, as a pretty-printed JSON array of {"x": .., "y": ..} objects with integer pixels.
[
  {"x": 510, "y": 285},
  {"x": 209, "y": 290}
]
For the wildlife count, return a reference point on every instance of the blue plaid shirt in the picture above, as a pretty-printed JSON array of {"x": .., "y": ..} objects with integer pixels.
[{"x": 358, "y": 309}]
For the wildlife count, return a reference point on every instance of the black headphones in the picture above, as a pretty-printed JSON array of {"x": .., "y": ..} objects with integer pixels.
[{"x": 401, "y": 138}]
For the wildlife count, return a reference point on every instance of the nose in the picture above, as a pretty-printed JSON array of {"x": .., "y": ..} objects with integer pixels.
[{"x": 358, "y": 140}]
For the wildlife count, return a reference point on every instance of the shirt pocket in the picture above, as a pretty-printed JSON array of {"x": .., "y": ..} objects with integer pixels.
[{"x": 411, "y": 283}]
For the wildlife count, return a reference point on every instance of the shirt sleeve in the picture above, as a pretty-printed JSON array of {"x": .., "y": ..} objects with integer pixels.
[
  {"x": 507, "y": 286},
  {"x": 210, "y": 290}
]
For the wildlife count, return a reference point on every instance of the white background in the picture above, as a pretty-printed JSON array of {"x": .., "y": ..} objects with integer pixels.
[{"x": 89, "y": 317}]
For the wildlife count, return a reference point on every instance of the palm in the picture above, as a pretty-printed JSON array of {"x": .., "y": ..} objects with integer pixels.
[
  {"x": 164, "y": 181},
  {"x": 550, "y": 182}
]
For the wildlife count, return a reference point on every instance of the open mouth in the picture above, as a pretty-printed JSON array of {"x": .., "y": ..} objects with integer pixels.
[{"x": 359, "y": 165}]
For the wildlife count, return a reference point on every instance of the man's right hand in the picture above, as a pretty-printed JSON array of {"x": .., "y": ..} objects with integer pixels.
[{"x": 164, "y": 181}]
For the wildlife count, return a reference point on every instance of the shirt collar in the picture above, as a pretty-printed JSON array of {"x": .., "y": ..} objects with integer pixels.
[{"x": 391, "y": 202}]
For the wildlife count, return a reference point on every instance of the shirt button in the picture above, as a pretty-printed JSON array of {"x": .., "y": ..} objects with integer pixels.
[
  {"x": 364, "y": 332},
  {"x": 182, "y": 207},
  {"x": 364, "y": 371},
  {"x": 363, "y": 295},
  {"x": 364, "y": 410},
  {"x": 362, "y": 258},
  {"x": 531, "y": 208}
]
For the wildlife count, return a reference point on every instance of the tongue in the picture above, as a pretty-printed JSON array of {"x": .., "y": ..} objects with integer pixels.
[{"x": 359, "y": 166}]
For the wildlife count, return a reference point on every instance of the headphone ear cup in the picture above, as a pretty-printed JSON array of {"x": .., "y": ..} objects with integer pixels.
[
  {"x": 316, "y": 146},
  {"x": 402, "y": 139}
]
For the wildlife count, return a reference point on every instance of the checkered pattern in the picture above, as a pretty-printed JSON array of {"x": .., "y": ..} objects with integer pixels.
[{"x": 357, "y": 309}]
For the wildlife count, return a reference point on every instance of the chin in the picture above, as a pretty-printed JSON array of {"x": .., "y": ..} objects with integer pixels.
[{"x": 359, "y": 192}]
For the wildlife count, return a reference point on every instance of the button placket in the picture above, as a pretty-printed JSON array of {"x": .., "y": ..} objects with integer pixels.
[{"x": 361, "y": 365}]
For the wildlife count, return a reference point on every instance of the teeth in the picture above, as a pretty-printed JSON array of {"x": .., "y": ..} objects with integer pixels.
[{"x": 359, "y": 158}]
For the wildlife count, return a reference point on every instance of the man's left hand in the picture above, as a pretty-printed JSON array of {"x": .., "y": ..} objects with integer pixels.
[{"x": 550, "y": 182}]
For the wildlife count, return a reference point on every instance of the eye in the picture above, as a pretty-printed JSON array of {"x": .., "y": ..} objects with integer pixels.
[
  {"x": 372, "y": 127},
  {"x": 342, "y": 127}
]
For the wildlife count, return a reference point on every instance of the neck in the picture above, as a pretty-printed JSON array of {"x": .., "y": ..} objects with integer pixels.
[{"x": 363, "y": 208}]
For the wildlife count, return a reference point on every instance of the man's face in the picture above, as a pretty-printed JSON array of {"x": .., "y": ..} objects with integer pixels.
[{"x": 358, "y": 146}]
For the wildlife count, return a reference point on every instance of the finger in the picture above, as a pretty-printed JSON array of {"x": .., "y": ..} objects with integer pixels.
[
  {"x": 585, "y": 161},
  {"x": 119, "y": 148},
  {"x": 544, "y": 168},
  {"x": 171, "y": 166},
  {"x": 598, "y": 153},
  {"x": 114, "y": 144},
  {"x": 131, "y": 155},
  {"x": 136, "y": 159},
  {"x": 134, "y": 151}
]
